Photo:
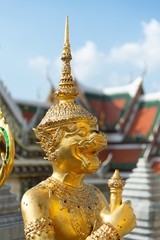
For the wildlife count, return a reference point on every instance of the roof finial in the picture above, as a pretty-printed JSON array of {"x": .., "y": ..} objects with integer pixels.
[{"x": 67, "y": 90}]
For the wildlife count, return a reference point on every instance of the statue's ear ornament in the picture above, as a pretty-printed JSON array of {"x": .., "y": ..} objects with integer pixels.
[
  {"x": 53, "y": 156},
  {"x": 49, "y": 140}
]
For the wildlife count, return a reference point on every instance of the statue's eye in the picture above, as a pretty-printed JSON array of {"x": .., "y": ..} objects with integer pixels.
[{"x": 83, "y": 132}]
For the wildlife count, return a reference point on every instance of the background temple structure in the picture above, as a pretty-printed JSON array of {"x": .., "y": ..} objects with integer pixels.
[
  {"x": 143, "y": 189},
  {"x": 131, "y": 122},
  {"x": 129, "y": 118}
]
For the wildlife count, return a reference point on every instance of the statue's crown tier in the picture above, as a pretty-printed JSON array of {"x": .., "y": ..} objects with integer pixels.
[{"x": 66, "y": 111}]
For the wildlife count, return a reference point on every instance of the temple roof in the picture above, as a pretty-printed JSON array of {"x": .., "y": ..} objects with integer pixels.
[
  {"x": 129, "y": 118},
  {"x": 114, "y": 104},
  {"x": 11, "y": 111},
  {"x": 29, "y": 108},
  {"x": 145, "y": 118},
  {"x": 22, "y": 129}
]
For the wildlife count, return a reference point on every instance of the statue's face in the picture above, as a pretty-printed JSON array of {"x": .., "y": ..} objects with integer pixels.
[{"x": 79, "y": 148}]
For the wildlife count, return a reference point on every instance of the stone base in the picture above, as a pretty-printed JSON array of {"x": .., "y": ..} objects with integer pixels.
[
  {"x": 12, "y": 231},
  {"x": 11, "y": 222}
]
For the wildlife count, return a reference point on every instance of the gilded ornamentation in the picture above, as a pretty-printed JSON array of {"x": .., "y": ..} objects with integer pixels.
[
  {"x": 116, "y": 185},
  {"x": 38, "y": 227},
  {"x": 78, "y": 202},
  {"x": 7, "y": 150},
  {"x": 105, "y": 232},
  {"x": 66, "y": 111},
  {"x": 70, "y": 137},
  {"x": 116, "y": 181},
  {"x": 49, "y": 141},
  {"x": 62, "y": 113}
]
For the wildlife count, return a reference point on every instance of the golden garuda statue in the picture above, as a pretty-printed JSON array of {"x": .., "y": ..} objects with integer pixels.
[{"x": 63, "y": 207}]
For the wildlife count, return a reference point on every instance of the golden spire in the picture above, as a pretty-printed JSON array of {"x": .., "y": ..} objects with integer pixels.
[
  {"x": 66, "y": 111},
  {"x": 67, "y": 90},
  {"x": 66, "y": 36}
]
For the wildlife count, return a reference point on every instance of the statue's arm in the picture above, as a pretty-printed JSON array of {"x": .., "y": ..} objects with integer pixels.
[
  {"x": 116, "y": 224},
  {"x": 105, "y": 232},
  {"x": 34, "y": 207},
  {"x": 38, "y": 232}
]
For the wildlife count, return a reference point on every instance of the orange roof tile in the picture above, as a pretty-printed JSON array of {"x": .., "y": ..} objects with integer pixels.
[
  {"x": 143, "y": 121},
  {"x": 98, "y": 106},
  {"x": 121, "y": 155},
  {"x": 112, "y": 109},
  {"x": 156, "y": 167},
  {"x": 28, "y": 115}
]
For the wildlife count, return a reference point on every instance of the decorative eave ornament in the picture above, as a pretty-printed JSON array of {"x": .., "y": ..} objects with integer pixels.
[{"x": 66, "y": 111}]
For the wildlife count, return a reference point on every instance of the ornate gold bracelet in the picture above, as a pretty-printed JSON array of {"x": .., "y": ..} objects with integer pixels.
[
  {"x": 105, "y": 232},
  {"x": 38, "y": 227}
]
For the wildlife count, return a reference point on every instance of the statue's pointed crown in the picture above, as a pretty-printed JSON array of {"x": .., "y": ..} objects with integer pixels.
[{"x": 66, "y": 111}]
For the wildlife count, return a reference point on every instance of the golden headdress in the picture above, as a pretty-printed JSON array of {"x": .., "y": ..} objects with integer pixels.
[{"x": 66, "y": 111}]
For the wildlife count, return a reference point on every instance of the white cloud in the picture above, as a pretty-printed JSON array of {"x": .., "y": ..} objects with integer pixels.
[
  {"x": 39, "y": 63},
  {"x": 88, "y": 62},
  {"x": 97, "y": 68},
  {"x": 113, "y": 68},
  {"x": 58, "y": 66},
  {"x": 116, "y": 78},
  {"x": 139, "y": 53}
]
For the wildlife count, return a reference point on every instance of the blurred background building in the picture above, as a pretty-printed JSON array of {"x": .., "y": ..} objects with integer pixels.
[{"x": 129, "y": 118}]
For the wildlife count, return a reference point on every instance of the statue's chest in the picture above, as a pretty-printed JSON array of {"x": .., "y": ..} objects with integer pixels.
[
  {"x": 77, "y": 210},
  {"x": 84, "y": 215}
]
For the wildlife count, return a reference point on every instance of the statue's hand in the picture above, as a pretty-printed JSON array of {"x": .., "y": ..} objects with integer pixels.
[{"x": 123, "y": 218}]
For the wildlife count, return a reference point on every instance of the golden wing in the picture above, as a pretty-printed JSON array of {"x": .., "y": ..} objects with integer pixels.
[{"x": 7, "y": 149}]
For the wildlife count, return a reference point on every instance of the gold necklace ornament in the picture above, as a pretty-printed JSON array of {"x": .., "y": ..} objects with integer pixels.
[{"x": 82, "y": 204}]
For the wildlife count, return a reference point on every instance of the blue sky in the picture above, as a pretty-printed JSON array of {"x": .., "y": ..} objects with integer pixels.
[{"x": 111, "y": 42}]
